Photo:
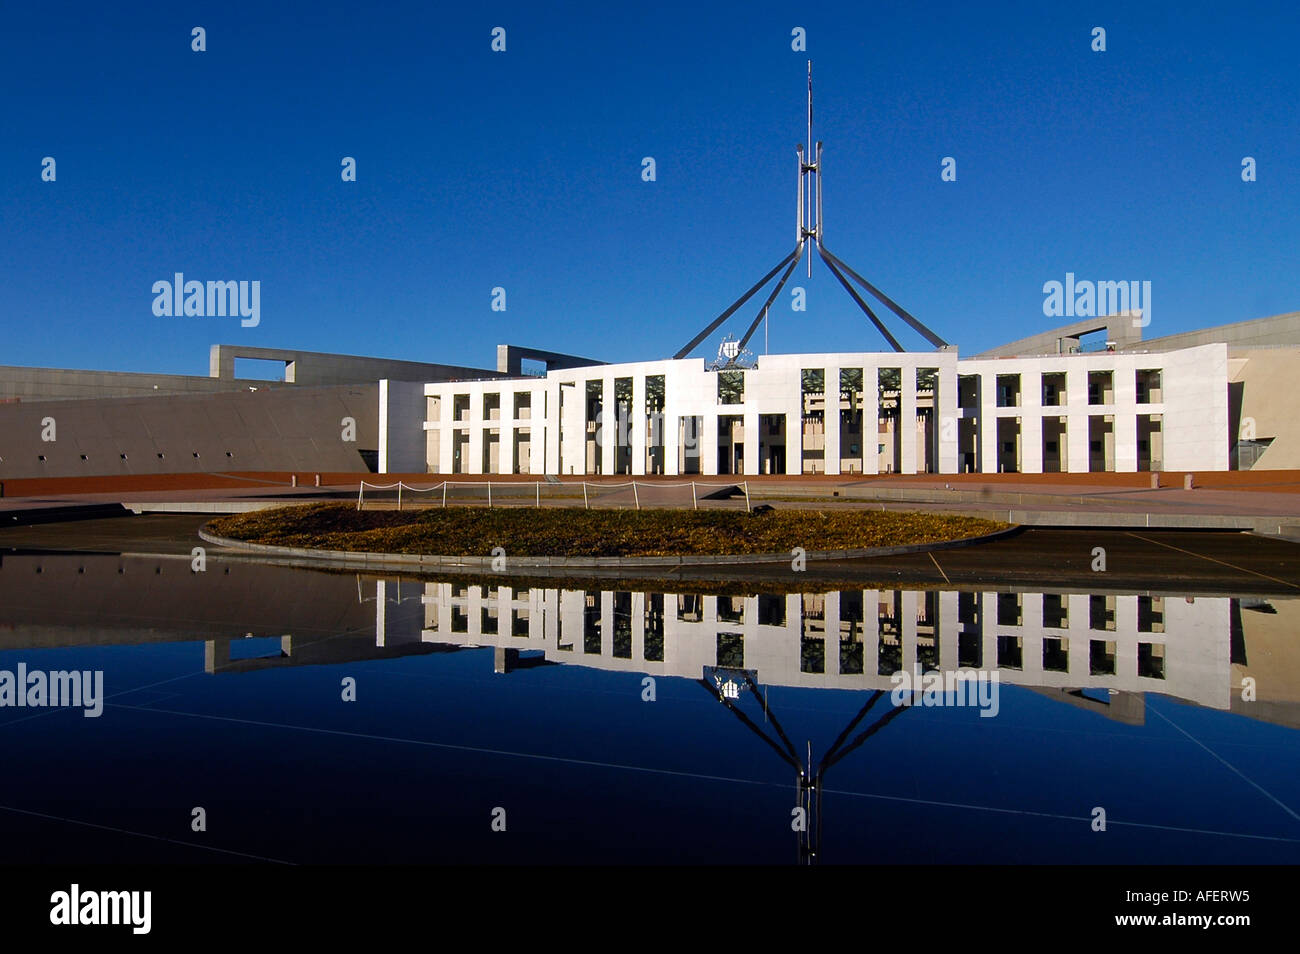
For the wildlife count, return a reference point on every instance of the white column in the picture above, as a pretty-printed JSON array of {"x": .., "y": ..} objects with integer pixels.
[
  {"x": 475, "y": 463},
  {"x": 1031, "y": 421},
  {"x": 871, "y": 420},
  {"x": 753, "y": 439},
  {"x": 1125, "y": 398},
  {"x": 794, "y": 427},
  {"x": 637, "y": 425},
  {"x": 709, "y": 444},
  {"x": 608, "y": 430},
  {"x": 446, "y": 432},
  {"x": 907, "y": 420},
  {"x": 1076, "y": 394},
  {"x": 832, "y": 421},
  {"x": 988, "y": 425},
  {"x": 946, "y": 416}
]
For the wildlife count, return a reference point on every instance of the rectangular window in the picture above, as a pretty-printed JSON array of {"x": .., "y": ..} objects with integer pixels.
[{"x": 731, "y": 387}]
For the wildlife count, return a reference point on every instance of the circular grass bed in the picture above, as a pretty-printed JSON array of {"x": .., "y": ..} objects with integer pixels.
[{"x": 568, "y": 532}]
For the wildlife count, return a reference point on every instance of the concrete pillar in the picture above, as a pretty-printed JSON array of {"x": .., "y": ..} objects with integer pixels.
[
  {"x": 670, "y": 425},
  {"x": 831, "y": 419},
  {"x": 753, "y": 439},
  {"x": 871, "y": 420},
  {"x": 709, "y": 444},
  {"x": 794, "y": 435},
  {"x": 946, "y": 417},
  {"x": 637, "y": 425},
  {"x": 608, "y": 430},
  {"x": 475, "y": 450},
  {"x": 1077, "y": 408},
  {"x": 988, "y": 424},
  {"x": 1125, "y": 398},
  {"x": 1031, "y": 422},
  {"x": 907, "y": 420}
]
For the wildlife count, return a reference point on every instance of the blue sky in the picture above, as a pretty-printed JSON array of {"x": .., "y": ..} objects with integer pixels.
[{"x": 522, "y": 170}]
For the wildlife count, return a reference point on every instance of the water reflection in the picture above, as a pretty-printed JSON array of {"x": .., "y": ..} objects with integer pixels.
[
  {"x": 1100, "y": 651},
  {"x": 752, "y": 657}
]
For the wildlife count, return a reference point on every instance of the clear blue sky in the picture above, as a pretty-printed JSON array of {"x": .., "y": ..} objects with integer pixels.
[{"x": 522, "y": 169}]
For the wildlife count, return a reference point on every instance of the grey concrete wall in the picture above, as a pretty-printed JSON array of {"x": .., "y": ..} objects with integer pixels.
[
  {"x": 510, "y": 359},
  {"x": 52, "y": 384},
  {"x": 277, "y": 429},
  {"x": 318, "y": 368},
  {"x": 401, "y": 428},
  {"x": 303, "y": 368},
  {"x": 1259, "y": 332},
  {"x": 1119, "y": 328}
]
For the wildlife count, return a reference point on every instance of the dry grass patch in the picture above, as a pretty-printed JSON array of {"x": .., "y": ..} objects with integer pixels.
[{"x": 475, "y": 531}]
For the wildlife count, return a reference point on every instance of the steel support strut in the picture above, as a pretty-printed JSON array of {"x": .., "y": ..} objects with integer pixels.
[
  {"x": 888, "y": 302},
  {"x": 776, "y": 290},
  {"x": 713, "y": 326},
  {"x": 858, "y": 298}
]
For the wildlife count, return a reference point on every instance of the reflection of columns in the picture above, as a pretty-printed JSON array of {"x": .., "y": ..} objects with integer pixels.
[
  {"x": 989, "y": 617},
  {"x": 907, "y": 630},
  {"x": 216, "y": 654},
  {"x": 831, "y": 614},
  {"x": 871, "y": 633},
  {"x": 381, "y": 610},
  {"x": 504, "y": 660},
  {"x": 606, "y": 623},
  {"x": 946, "y": 629},
  {"x": 1031, "y": 649},
  {"x": 638, "y": 626}
]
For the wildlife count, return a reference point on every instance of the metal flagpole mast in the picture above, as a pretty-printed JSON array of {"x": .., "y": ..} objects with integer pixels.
[
  {"x": 809, "y": 170},
  {"x": 808, "y": 231}
]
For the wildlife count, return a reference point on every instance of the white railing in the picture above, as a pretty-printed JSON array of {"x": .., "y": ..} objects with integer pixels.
[{"x": 537, "y": 489}]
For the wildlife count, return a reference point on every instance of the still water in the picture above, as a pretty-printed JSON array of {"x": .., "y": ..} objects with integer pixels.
[{"x": 258, "y": 712}]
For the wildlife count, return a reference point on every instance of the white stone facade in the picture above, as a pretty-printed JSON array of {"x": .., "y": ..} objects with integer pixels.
[{"x": 818, "y": 413}]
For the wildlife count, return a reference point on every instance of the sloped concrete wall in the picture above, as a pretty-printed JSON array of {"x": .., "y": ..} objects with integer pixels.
[
  {"x": 1268, "y": 403},
  {"x": 301, "y": 429}
]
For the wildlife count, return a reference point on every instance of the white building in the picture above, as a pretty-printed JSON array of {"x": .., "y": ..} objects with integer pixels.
[{"x": 837, "y": 413}]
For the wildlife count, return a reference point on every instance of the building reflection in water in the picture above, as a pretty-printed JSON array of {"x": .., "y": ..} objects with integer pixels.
[
  {"x": 851, "y": 639},
  {"x": 1103, "y": 652}
]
